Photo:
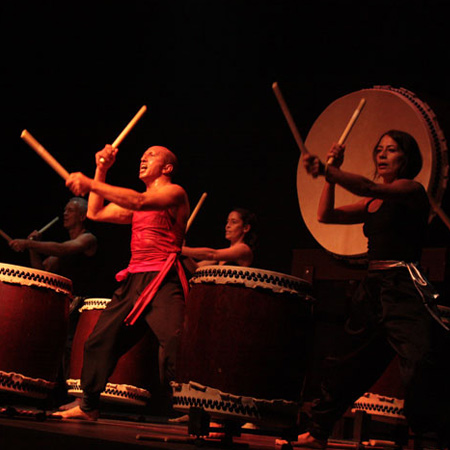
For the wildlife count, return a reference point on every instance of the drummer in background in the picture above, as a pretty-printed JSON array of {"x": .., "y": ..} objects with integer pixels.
[
  {"x": 153, "y": 279},
  {"x": 393, "y": 310},
  {"x": 74, "y": 259},
  {"x": 240, "y": 230}
]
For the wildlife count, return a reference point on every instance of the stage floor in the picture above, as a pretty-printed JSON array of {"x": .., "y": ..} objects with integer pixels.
[
  {"x": 19, "y": 432},
  {"x": 30, "y": 433}
]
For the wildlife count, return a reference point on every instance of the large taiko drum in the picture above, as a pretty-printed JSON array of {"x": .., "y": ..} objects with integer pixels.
[
  {"x": 386, "y": 108},
  {"x": 136, "y": 372},
  {"x": 34, "y": 317},
  {"x": 244, "y": 346}
]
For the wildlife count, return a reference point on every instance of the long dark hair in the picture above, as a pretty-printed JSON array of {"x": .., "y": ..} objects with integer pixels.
[
  {"x": 249, "y": 218},
  {"x": 412, "y": 163}
]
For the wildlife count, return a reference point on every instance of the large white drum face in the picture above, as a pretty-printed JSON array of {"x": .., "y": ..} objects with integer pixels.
[{"x": 386, "y": 108}]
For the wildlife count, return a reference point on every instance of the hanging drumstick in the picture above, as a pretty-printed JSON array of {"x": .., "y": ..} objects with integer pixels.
[
  {"x": 349, "y": 126},
  {"x": 44, "y": 154},
  {"x": 5, "y": 236},
  {"x": 127, "y": 129},
  {"x": 289, "y": 119},
  {"x": 439, "y": 211},
  {"x": 196, "y": 209},
  {"x": 46, "y": 227}
]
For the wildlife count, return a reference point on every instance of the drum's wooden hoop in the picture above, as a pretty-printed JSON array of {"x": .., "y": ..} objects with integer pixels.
[
  {"x": 253, "y": 278},
  {"x": 91, "y": 304},
  {"x": 386, "y": 108}
]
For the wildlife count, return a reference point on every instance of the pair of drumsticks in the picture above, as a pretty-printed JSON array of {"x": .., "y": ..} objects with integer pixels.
[
  {"x": 64, "y": 174},
  {"x": 44, "y": 228},
  {"x": 303, "y": 150},
  {"x": 52, "y": 162}
]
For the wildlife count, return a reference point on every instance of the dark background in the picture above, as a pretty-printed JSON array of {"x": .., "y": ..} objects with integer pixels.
[{"x": 74, "y": 73}]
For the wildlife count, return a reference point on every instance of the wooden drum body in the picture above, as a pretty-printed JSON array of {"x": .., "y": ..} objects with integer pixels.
[
  {"x": 136, "y": 371},
  {"x": 243, "y": 350},
  {"x": 34, "y": 316}
]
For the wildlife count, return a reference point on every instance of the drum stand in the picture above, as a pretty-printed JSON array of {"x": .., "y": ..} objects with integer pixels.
[
  {"x": 12, "y": 413},
  {"x": 200, "y": 432}
]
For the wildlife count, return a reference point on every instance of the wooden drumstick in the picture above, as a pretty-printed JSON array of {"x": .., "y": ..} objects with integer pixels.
[
  {"x": 289, "y": 119},
  {"x": 44, "y": 154},
  {"x": 46, "y": 227},
  {"x": 127, "y": 129},
  {"x": 439, "y": 211},
  {"x": 196, "y": 209},
  {"x": 5, "y": 236},
  {"x": 349, "y": 126}
]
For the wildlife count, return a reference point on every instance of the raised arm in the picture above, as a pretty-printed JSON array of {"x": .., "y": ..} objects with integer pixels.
[
  {"x": 359, "y": 185},
  {"x": 402, "y": 189},
  {"x": 97, "y": 210},
  {"x": 239, "y": 252},
  {"x": 348, "y": 214},
  {"x": 84, "y": 243}
]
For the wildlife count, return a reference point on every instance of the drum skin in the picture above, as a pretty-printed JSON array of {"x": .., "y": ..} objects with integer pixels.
[
  {"x": 138, "y": 367},
  {"x": 245, "y": 341},
  {"x": 33, "y": 323},
  {"x": 386, "y": 108}
]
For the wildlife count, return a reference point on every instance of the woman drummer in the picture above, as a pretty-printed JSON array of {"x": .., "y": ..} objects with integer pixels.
[
  {"x": 240, "y": 230},
  {"x": 393, "y": 309}
]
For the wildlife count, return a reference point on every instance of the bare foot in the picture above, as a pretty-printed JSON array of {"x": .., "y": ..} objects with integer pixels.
[
  {"x": 304, "y": 440},
  {"x": 70, "y": 405},
  {"x": 77, "y": 413},
  {"x": 181, "y": 419}
]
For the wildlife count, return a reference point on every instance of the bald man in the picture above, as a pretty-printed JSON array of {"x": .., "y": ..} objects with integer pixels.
[{"x": 153, "y": 285}]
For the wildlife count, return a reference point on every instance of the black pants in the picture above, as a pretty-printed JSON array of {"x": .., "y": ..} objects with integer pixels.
[
  {"x": 387, "y": 318},
  {"x": 111, "y": 338}
]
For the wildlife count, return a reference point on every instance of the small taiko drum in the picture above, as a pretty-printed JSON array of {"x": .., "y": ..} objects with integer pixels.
[
  {"x": 34, "y": 317},
  {"x": 244, "y": 345},
  {"x": 386, "y": 396},
  {"x": 136, "y": 371}
]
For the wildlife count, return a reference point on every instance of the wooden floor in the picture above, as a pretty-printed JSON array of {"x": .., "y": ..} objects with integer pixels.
[
  {"x": 31, "y": 431},
  {"x": 29, "y": 427}
]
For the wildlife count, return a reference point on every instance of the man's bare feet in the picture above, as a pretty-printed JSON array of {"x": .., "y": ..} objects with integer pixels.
[
  {"x": 304, "y": 440},
  {"x": 70, "y": 405},
  {"x": 77, "y": 413}
]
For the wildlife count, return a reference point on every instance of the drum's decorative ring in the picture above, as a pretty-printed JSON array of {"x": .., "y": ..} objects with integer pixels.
[
  {"x": 20, "y": 384},
  {"x": 249, "y": 277},
  {"x": 92, "y": 304},
  {"x": 380, "y": 405},
  {"x": 437, "y": 185},
  {"x": 222, "y": 405},
  {"x": 27, "y": 277},
  {"x": 122, "y": 393}
]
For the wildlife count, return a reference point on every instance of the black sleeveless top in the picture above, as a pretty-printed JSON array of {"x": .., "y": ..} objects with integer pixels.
[
  {"x": 396, "y": 231},
  {"x": 83, "y": 271}
]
